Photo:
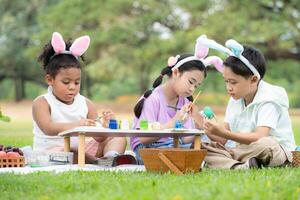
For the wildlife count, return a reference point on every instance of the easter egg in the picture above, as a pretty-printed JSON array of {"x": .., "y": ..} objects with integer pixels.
[
  {"x": 208, "y": 112},
  {"x": 13, "y": 154},
  {"x": 3, "y": 154}
]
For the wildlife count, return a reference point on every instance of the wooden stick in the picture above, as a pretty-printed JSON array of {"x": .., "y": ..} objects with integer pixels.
[
  {"x": 99, "y": 118},
  {"x": 194, "y": 101},
  {"x": 67, "y": 144},
  {"x": 190, "y": 106},
  {"x": 197, "y": 142},
  {"x": 169, "y": 164},
  {"x": 176, "y": 141},
  {"x": 81, "y": 152}
]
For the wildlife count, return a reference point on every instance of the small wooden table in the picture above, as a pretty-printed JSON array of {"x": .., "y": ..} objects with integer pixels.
[{"x": 91, "y": 131}]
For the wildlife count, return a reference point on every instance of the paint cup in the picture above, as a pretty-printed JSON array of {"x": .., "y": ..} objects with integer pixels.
[
  {"x": 124, "y": 124},
  {"x": 144, "y": 125},
  {"x": 178, "y": 124},
  {"x": 113, "y": 124}
]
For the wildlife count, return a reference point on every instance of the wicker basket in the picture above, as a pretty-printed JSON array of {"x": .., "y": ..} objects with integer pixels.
[
  {"x": 176, "y": 160},
  {"x": 296, "y": 159},
  {"x": 12, "y": 162}
]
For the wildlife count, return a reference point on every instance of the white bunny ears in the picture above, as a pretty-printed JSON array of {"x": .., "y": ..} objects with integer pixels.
[
  {"x": 79, "y": 46},
  {"x": 200, "y": 53},
  {"x": 234, "y": 49}
]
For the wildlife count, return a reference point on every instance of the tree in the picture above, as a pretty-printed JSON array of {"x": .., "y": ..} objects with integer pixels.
[
  {"x": 131, "y": 40},
  {"x": 17, "y": 19}
]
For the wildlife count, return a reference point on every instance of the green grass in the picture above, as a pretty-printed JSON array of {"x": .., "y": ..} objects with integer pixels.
[
  {"x": 16, "y": 133},
  {"x": 283, "y": 183},
  {"x": 210, "y": 184}
]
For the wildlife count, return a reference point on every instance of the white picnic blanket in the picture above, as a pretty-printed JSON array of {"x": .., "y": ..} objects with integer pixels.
[{"x": 67, "y": 168}]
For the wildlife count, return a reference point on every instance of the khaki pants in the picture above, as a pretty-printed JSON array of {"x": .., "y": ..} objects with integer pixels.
[{"x": 266, "y": 149}]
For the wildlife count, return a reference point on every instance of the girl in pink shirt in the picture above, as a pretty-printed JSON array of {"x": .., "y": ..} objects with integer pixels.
[{"x": 165, "y": 103}]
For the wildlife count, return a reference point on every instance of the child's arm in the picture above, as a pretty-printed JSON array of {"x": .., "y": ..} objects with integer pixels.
[
  {"x": 266, "y": 118},
  {"x": 92, "y": 114},
  {"x": 217, "y": 138},
  {"x": 212, "y": 128},
  {"x": 42, "y": 116},
  {"x": 195, "y": 114},
  {"x": 92, "y": 111}
]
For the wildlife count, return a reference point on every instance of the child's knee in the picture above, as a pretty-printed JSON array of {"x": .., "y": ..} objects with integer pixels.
[
  {"x": 265, "y": 143},
  {"x": 121, "y": 141}
]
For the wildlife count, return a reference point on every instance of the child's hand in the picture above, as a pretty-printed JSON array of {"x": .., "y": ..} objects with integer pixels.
[
  {"x": 87, "y": 122},
  {"x": 183, "y": 114},
  {"x": 106, "y": 116},
  {"x": 194, "y": 111},
  {"x": 213, "y": 128}
]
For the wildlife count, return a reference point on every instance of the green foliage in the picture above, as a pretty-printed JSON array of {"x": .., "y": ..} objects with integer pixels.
[
  {"x": 3, "y": 117},
  {"x": 134, "y": 39}
]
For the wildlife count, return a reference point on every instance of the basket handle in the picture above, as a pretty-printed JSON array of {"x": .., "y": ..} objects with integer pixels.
[{"x": 169, "y": 164}]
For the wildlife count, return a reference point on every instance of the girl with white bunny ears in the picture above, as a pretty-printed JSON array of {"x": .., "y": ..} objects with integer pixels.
[
  {"x": 62, "y": 107},
  {"x": 256, "y": 118},
  {"x": 165, "y": 103}
]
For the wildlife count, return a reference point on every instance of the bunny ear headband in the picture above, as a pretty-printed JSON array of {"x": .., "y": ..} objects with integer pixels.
[
  {"x": 201, "y": 52},
  {"x": 234, "y": 49},
  {"x": 79, "y": 46}
]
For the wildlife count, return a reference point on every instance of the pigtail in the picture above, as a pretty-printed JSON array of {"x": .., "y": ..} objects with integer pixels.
[
  {"x": 139, "y": 106},
  {"x": 46, "y": 54}
]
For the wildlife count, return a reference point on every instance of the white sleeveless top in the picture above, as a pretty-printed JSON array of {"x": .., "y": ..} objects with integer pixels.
[{"x": 60, "y": 112}]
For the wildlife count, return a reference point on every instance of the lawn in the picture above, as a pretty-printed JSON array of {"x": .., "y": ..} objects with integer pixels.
[
  {"x": 280, "y": 183},
  {"x": 210, "y": 184}
]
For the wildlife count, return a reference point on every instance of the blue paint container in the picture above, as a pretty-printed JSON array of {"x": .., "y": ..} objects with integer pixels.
[
  {"x": 178, "y": 124},
  {"x": 113, "y": 124}
]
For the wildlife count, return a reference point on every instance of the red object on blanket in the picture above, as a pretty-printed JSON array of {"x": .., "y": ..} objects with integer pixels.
[
  {"x": 123, "y": 160},
  {"x": 3, "y": 154},
  {"x": 13, "y": 154}
]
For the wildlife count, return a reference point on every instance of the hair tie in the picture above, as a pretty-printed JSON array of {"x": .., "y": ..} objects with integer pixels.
[{"x": 173, "y": 60}]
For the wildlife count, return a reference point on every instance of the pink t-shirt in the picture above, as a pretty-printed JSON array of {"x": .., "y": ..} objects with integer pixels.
[{"x": 155, "y": 109}]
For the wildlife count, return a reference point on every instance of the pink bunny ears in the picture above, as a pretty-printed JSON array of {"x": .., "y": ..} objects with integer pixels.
[
  {"x": 201, "y": 51},
  {"x": 79, "y": 46}
]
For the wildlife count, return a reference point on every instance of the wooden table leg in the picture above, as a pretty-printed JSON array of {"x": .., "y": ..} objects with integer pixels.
[
  {"x": 67, "y": 144},
  {"x": 197, "y": 142},
  {"x": 81, "y": 152},
  {"x": 176, "y": 141}
]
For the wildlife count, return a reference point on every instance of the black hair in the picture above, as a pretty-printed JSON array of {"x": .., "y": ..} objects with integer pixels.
[
  {"x": 254, "y": 56},
  {"x": 53, "y": 63},
  {"x": 188, "y": 66}
]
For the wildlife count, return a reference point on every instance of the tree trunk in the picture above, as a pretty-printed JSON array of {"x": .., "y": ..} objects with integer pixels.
[
  {"x": 143, "y": 81},
  {"x": 19, "y": 89},
  {"x": 88, "y": 85}
]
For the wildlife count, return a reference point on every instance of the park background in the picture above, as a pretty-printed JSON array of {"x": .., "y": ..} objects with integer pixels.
[{"x": 131, "y": 41}]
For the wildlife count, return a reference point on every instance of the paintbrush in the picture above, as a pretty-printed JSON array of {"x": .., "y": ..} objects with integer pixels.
[
  {"x": 175, "y": 108},
  {"x": 190, "y": 106}
]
